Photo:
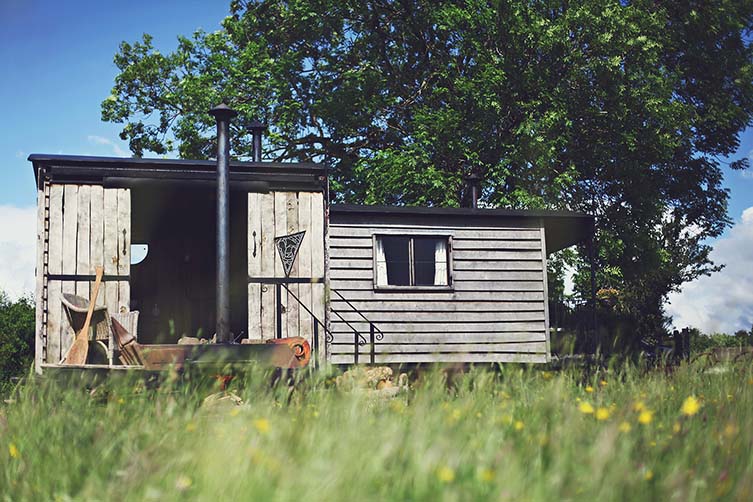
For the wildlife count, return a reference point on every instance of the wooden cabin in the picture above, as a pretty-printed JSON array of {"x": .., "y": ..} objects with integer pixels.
[
  {"x": 363, "y": 284},
  {"x": 443, "y": 284}
]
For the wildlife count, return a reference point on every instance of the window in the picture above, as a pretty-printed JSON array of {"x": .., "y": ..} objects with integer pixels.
[{"x": 411, "y": 261}]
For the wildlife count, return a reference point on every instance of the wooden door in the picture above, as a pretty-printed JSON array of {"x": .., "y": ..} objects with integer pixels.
[
  {"x": 274, "y": 215},
  {"x": 80, "y": 227}
]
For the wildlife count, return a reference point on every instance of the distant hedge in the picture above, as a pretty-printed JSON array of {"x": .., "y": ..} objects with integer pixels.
[{"x": 16, "y": 337}]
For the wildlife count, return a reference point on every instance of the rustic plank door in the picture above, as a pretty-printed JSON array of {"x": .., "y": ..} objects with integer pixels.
[
  {"x": 276, "y": 215},
  {"x": 80, "y": 227}
]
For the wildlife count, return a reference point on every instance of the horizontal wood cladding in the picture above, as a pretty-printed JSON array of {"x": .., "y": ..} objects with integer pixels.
[
  {"x": 494, "y": 312},
  {"x": 339, "y": 326},
  {"x": 433, "y": 306},
  {"x": 439, "y": 348},
  {"x": 477, "y": 358},
  {"x": 381, "y": 318},
  {"x": 442, "y": 338}
]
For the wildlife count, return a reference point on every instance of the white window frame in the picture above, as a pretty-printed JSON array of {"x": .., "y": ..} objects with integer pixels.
[{"x": 410, "y": 235}]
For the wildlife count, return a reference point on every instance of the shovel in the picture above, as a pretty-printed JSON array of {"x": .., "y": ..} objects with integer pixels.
[{"x": 80, "y": 348}]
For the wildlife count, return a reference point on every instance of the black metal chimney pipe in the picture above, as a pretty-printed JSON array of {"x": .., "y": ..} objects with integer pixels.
[
  {"x": 222, "y": 114},
  {"x": 257, "y": 129},
  {"x": 473, "y": 182}
]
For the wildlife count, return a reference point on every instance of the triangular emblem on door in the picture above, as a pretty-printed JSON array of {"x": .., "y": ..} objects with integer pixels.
[{"x": 288, "y": 246}]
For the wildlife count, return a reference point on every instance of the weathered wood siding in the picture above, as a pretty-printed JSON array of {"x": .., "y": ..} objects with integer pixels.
[
  {"x": 496, "y": 310},
  {"x": 80, "y": 227},
  {"x": 274, "y": 215}
]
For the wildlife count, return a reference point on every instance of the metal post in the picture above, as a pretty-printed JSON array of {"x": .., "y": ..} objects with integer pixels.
[
  {"x": 315, "y": 348},
  {"x": 355, "y": 347},
  {"x": 278, "y": 309},
  {"x": 371, "y": 340},
  {"x": 222, "y": 114}
]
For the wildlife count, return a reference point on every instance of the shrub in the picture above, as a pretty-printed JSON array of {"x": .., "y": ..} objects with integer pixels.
[{"x": 16, "y": 337}]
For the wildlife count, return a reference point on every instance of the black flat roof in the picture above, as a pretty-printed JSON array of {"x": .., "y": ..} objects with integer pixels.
[
  {"x": 563, "y": 228},
  {"x": 79, "y": 168}
]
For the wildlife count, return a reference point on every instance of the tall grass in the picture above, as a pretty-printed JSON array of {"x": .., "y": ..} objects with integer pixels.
[{"x": 511, "y": 434}]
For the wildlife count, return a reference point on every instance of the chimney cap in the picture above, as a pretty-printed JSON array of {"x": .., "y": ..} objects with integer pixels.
[
  {"x": 255, "y": 125},
  {"x": 222, "y": 111}
]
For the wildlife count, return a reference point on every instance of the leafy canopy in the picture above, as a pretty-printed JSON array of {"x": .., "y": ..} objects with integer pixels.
[{"x": 621, "y": 109}]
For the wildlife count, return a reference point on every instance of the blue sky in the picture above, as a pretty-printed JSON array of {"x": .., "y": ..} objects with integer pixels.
[{"x": 56, "y": 60}]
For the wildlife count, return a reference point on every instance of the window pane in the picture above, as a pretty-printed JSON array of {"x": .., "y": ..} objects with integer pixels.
[
  {"x": 430, "y": 262},
  {"x": 396, "y": 256}
]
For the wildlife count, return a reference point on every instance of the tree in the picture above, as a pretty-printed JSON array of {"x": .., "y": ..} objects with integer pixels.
[
  {"x": 16, "y": 337},
  {"x": 621, "y": 109}
]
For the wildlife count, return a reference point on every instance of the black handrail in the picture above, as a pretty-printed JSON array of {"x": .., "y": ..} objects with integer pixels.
[
  {"x": 317, "y": 321},
  {"x": 375, "y": 334}
]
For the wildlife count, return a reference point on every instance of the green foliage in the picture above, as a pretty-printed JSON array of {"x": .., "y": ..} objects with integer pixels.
[
  {"x": 16, "y": 337},
  {"x": 619, "y": 109},
  {"x": 700, "y": 342},
  {"x": 517, "y": 434}
]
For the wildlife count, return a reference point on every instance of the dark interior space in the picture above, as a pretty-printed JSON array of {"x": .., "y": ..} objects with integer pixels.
[
  {"x": 174, "y": 287},
  {"x": 397, "y": 254}
]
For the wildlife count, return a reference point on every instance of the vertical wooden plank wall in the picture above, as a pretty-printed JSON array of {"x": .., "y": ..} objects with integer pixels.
[
  {"x": 303, "y": 263},
  {"x": 281, "y": 228},
  {"x": 54, "y": 266},
  {"x": 70, "y": 226},
  {"x": 124, "y": 249},
  {"x": 80, "y": 227},
  {"x": 268, "y": 258},
  {"x": 274, "y": 215},
  {"x": 82, "y": 238},
  {"x": 110, "y": 240},
  {"x": 254, "y": 266},
  {"x": 293, "y": 307},
  {"x": 318, "y": 296},
  {"x": 97, "y": 236}
]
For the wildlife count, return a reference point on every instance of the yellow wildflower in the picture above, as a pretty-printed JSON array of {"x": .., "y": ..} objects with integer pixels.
[
  {"x": 190, "y": 427},
  {"x": 649, "y": 475},
  {"x": 586, "y": 408},
  {"x": 13, "y": 451},
  {"x": 486, "y": 475},
  {"x": 603, "y": 383},
  {"x": 602, "y": 414},
  {"x": 625, "y": 427},
  {"x": 446, "y": 475},
  {"x": 676, "y": 427},
  {"x": 638, "y": 406},
  {"x": 183, "y": 483},
  {"x": 730, "y": 430},
  {"x": 547, "y": 375},
  {"x": 121, "y": 401},
  {"x": 589, "y": 389},
  {"x": 519, "y": 425},
  {"x": 645, "y": 417},
  {"x": 261, "y": 425},
  {"x": 691, "y": 406}
]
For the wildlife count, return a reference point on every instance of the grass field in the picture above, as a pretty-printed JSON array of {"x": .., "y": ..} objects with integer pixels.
[{"x": 512, "y": 434}]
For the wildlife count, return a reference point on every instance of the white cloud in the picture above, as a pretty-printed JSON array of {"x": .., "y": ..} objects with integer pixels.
[
  {"x": 116, "y": 150},
  {"x": 722, "y": 302},
  {"x": 18, "y": 231}
]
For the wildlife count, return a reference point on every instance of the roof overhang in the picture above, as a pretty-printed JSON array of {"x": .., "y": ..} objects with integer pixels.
[
  {"x": 563, "y": 228},
  {"x": 116, "y": 171}
]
